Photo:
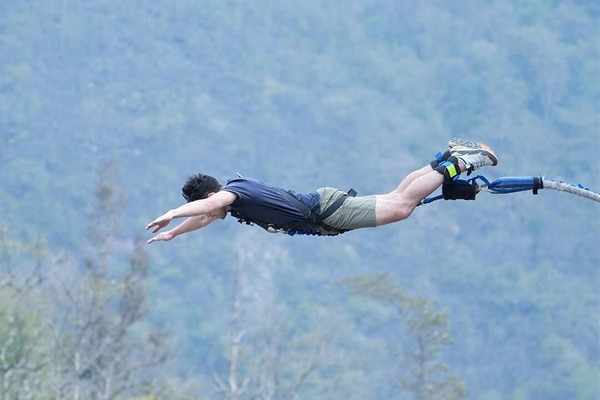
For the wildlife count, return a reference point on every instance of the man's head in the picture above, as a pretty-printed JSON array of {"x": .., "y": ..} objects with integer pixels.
[{"x": 199, "y": 186}]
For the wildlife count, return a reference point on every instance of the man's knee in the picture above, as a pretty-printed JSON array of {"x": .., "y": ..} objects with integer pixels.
[
  {"x": 403, "y": 212},
  {"x": 393, "y": 212}
]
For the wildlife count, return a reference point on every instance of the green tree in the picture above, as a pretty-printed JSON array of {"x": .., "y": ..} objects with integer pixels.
[
  {"x": 22, "y": 338},
  {"x": 268, "y": 357},
  {"x": 102, "y": 348},
  {"x": 426, "y": 377}
]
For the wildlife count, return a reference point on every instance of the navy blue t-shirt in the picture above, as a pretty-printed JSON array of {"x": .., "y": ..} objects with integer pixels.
[{"x": 261, "y": 202}]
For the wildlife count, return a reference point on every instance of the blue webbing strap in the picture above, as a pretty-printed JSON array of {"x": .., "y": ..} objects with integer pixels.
[{"x": 513, "y": 184}]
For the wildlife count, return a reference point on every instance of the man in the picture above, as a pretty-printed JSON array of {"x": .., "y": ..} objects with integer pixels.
[{"x": 327, "y": 211}]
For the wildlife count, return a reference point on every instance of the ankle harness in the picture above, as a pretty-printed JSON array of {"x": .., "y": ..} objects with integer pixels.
[{"x": 450, "y": 170}]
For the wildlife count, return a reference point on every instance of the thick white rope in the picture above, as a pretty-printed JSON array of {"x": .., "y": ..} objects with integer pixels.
[{"x": 570, "y": 188}]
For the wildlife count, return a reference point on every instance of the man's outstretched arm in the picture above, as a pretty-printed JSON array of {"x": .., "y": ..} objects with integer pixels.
[
  {"x": 189, "y": 225},
  {"x": 214, "y": 205}
]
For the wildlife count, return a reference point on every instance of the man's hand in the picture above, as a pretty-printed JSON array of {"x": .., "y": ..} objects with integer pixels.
[
  {"x": 163, "y": 236},
  {"x": 161, "y": 222}
]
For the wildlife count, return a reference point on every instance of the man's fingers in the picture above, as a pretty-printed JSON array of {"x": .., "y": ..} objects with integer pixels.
[
  {"x": 165, "y": 236},
  {"x": 156, "y": 225},
  {"x": 155, "y": 238}
]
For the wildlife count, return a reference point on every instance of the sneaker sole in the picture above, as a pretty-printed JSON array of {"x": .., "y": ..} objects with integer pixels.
[
  {"x": 454, "y": 142},
  {"x": 482, "y": 149}
]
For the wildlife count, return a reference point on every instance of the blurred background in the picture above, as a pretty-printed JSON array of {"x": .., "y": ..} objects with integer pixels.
[{"x": 106, "y": 107}]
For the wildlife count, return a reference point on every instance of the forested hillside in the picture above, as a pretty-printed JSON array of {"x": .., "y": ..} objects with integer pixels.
[{"x": 106, "y": 107}]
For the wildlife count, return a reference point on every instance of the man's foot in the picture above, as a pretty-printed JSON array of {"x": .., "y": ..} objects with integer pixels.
[
  {"x": 475, "y": 157},
  {"x": 465, "y": 145}
]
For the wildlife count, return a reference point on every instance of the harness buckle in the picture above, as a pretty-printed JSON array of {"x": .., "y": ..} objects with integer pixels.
[{"x": 272, "y": 229}]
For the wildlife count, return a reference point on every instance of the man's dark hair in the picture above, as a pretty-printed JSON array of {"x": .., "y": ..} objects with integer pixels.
[{"x": 199, "y": 186}]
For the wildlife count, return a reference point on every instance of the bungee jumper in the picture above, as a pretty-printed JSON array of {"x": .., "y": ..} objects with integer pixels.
[
  {"x": 324, "y": 212},
  {"x": 330, "y": 211}
]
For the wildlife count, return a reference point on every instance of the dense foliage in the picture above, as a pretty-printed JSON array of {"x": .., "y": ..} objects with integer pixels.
[{"x": 302, "y": 94}]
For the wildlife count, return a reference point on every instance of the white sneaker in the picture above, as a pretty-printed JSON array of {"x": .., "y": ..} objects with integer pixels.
[{"x": 475, "y": 157}]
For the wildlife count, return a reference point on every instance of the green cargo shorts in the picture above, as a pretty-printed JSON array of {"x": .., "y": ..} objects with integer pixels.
[{"x": 354, "y": 213}]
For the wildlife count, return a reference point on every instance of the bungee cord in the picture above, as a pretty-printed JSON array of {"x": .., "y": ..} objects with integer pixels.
[{"x": 467, "y": 189}]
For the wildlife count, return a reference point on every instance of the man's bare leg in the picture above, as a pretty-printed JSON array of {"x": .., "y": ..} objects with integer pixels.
[
  {"x": 412, "y": 176},
  {"x": 429, "y": 167},
  {"x": 399, "y": 204}
]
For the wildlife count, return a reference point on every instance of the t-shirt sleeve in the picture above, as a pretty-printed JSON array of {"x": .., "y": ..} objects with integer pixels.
[{"x": 240, "y": 188}]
